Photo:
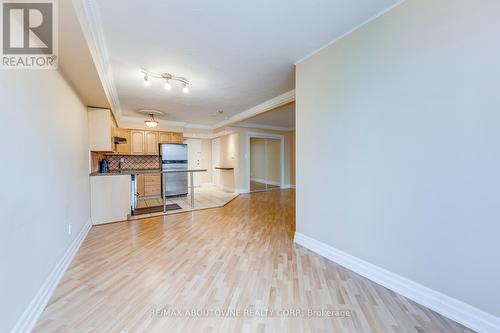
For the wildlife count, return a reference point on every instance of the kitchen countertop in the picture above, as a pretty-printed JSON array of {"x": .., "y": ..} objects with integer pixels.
[{"x": 141, "y": 171}]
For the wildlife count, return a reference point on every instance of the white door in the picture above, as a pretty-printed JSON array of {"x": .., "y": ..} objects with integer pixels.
[
  {"x": 216, "y": 161},
  {"x": 194, "y": 158}
]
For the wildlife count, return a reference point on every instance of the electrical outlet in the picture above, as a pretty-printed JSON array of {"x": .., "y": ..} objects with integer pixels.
[{"x": 69, "y": 229}]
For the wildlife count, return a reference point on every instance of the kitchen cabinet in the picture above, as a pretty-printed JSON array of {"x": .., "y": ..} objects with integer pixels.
[
  {"x": 109, "y": 198},
  {"x": 140, "y": 186},
  {"x": 136, "y": 142},
  {"x": 151, "y": 143},
  {"x": 176, "y": 137},
  {"x": 144, "y": 142},
  {"x": 101, "y": 124},
  {"x": 170, "y": 137},
  {"x": 152, "y": 185},
  {"x": 148, "y": 185},
  {"x": 124, "y": 147},
  {"x": 103, "y": 129},
  {"x": 164, "y": 137}
]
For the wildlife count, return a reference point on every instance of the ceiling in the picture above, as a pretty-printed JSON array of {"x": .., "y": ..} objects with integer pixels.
[
  {"x": 281, "y": 118},
  {"x": 236, "y": 54},
  {"x": 75, "y": 61}
]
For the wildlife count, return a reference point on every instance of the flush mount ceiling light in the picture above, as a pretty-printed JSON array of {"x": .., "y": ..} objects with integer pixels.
[
  {"x": 146, "y": 80},
  {"x": 151, "y": 121},
  {"x": 167, "y": 77}
]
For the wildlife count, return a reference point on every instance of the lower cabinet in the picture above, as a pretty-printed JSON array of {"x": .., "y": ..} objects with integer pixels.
[
  {"x": 110, "y": 198},
  {"x": 140, "y": 186},
  {"x": 152, "y": 185},
  {"x": 148, "y": 185}
]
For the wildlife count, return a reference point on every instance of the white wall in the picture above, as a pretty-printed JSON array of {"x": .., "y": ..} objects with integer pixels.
[
  {"x": 402, "y": 121},
  {"x": 229, "y": 158},
  {"x": 292, "y": 158},
  {"x": 45, "y": 183}
]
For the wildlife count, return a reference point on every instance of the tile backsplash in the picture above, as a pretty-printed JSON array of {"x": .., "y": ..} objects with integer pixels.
[{"x": 133, "y": 162}]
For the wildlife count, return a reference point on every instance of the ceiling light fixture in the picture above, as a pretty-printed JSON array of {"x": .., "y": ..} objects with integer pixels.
[
  {"x": 168, "y": 78},
  {"x": 146, "y": 80},
  {"x": 151, "y": 122}
]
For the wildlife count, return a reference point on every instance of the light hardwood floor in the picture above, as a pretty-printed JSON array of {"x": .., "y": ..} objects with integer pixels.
[
  {"x": 258, "y": 186},
  {"x": 241, "y": 256}
]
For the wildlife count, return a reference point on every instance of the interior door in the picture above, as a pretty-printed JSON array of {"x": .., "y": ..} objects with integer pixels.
[
  {"x": 194, "y": 158},
  {"x": 216, "y": 161},
  {"x": 265, "y": 164}
]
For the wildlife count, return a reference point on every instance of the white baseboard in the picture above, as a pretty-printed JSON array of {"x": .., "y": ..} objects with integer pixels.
[
  {"x": 30, "y": 316},
  {"x": 265, "y": 181},
  {"x": 447, "y": 306},
  {"x": 243, "y": 191},
  {"x": 288, "y": 186}
]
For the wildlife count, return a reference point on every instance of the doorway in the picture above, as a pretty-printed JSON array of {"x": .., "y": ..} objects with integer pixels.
[
  {"x": 265, "y": 162},
  {"x": 216, "y": 162},
  {"x": 194, "y": 159}
]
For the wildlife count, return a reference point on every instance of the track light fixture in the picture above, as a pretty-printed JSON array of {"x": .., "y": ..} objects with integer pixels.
[{"x": 168, "y": 78}]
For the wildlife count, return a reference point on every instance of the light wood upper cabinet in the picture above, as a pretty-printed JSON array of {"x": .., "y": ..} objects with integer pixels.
[
  {"x": 164, "y": 137},
  {"x": 151, "y": 143},
  {"x": 136, "y": 142},
  {"x": 103, "y": 128},
  {"x": 170, "y": 137},
  {"x": 100, "y": 128},
  {"x": 144, "y": 142},
  {"x": 176, "y": 137},
  {"x": 124, "y": 147}
]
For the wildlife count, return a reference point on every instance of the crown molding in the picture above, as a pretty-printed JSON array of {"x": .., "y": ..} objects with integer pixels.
[
  {"x": 268, "y": 127},
  {"x": 268, "y": 105},
  {"x": 208, "y": 135},
  {"x": 89, "y": 17},
  {"x": 377, "y": 15}
]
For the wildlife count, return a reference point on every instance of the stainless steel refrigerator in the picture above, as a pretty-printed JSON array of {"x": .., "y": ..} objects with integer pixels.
[{"x": 174, "y": 157}]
